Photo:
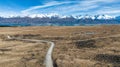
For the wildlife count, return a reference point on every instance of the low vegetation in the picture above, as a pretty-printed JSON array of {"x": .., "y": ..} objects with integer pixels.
[{"x": 93, "y": 46}]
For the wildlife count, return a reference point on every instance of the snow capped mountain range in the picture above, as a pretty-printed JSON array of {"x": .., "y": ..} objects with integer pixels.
[
  {"x": 76, "y": 17},
  {"x": 63, "y": 16},
  {"x": 58, "y": 20}
]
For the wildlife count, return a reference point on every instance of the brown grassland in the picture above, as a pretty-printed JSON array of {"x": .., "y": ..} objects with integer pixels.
[{"x": 80, "y": 46}]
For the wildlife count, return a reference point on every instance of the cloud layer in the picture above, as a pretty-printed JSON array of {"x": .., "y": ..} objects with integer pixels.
[
  {"x": 110, "y": 7},
  {"x": 72, "y": 7}
]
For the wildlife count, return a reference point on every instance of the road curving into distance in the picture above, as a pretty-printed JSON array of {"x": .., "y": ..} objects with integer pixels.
[{"x": 48, "y": 58}]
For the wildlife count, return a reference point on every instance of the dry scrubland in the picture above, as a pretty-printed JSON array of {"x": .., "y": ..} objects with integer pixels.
[{"x": 90, "y": 46}]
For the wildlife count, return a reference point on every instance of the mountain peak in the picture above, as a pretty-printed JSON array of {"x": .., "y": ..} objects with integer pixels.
[
  {"x": 105, "y": 17},
  {"x": 51, "y": 15},
  {"x": 94, "y": 17}
]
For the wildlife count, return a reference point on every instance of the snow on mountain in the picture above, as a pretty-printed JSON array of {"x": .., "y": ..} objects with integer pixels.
[
  {"x": 95, "y": 17},
  {"x": 84, "y": 17},
  {"x": 79, "y": 17},
  {"x": 36, "y": 15},
  {"x": 105, "y": 17},
  {"x": 43, "y": 15},
  {"x": 87, "y": 17},
  {"x": 63, "y": 16}
]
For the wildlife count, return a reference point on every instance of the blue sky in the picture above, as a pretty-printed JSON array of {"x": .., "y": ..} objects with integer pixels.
[{"x": 62, "y": 7}]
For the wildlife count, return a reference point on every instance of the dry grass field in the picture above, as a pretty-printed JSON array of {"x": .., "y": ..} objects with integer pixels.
[{"x": 81, "y": 46}]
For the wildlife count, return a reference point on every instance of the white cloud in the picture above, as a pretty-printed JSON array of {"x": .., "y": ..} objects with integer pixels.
[
  {"x": 73, "y": 7},
  {"x": 79, "y": 9},
  {"x": 9, "y": 14},
  {"x": 98, "y": 1},
  {"x": 80, "y": 5},
  {"x": 108, "y": 10},
  {"x": 54, "y": 3}
]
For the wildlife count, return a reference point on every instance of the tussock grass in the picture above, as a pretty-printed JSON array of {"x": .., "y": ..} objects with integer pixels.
[{"x": 75, "y": 46}]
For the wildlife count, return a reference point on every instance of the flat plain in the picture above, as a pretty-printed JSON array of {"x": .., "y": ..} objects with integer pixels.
[{"x": 78, "y": 46}]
